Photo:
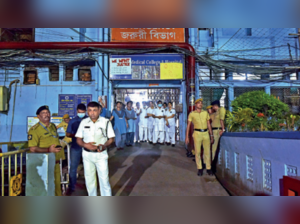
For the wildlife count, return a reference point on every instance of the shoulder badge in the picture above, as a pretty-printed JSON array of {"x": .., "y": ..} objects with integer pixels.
[
  {"x": 29, "y": 137},
  {"x": 35, "y": 126}
]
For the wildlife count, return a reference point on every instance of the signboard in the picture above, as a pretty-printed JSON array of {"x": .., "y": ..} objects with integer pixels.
[
  {"x": 83, "y": 98},
  {"x": 66, "y": 105},
  {"x": 147, "y": 67},
  {"x": 148, "y": 35},
  {"x": 31, "y": 121}
]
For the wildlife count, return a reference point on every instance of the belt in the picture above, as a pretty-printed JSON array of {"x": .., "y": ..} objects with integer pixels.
[
  {"x": 201, "y": 130},
  {"x": 91, "y": 150},
  {"x": 216, "y": 128},
  {"x": 57, "y": 162}
]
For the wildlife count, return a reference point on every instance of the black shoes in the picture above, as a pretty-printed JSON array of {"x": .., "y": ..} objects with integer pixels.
[
  {"x": 173, "y": 145},
  {"x": 210, "y": 172},
  {"x": 151, "y": 143},
  {"x": 190, "y": 155},
  {"x": 200, "y": 172}
]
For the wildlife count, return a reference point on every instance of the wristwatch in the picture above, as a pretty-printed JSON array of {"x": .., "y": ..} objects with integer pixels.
[{"x": 224, "y": 130}]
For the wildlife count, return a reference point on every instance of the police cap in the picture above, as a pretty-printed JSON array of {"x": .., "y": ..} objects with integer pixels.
[
  {"x": 209, "y": 107},
  {"x": 216, "y": 102},
  {"x": 66, "y": 116},
  {"x": 197, "y": 101},
  {"x": 41, "y": 109}
]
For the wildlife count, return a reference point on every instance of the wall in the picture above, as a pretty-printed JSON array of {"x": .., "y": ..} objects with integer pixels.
[
  {"x": 30, "y": 97},
  {"x": 262, "y": 157}
]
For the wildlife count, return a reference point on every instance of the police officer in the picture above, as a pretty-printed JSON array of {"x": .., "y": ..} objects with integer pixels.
[
  {"x": 64, "y": 124},
  {"x": 94, "y": 135},
  {"x": 43, "y": 138},
  {"x": 200, "y": 119},
  {"x": 209, "y": 109},
  {"x": 218, "y": 127}
]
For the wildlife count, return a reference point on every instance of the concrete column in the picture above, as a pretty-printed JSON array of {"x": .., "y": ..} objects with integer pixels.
[
  {"x": 183, "y": 116},
  {"x": 268, "y": 89},
  {"x": 228, "y": 75},
  {"x": 40, "y": 174},
  {"x": 230, "y": 97},
  {"x": 298, "y": 75}
]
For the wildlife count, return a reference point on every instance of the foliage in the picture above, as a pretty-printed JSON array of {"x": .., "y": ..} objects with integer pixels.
[
  {"x": 258, "y": 111},
  {"x": 239, "y": 119},
  {"x": 261, "y": 102}
]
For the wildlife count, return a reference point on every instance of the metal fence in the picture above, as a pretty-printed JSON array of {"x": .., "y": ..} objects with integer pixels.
[
  {"x": 290, "y": 96},
  {"x": 241, "y": 90},
  {"x": 210, "y": 94}
]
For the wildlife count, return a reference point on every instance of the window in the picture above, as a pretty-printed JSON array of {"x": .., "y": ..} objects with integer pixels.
[
  {"x": 17, "y": 34},
  {"x": 54, "y": 73},
  {"x": 69, "y": 73},
  {"x": 30, "y": 76},
  {"x": 84, "y": 74}
]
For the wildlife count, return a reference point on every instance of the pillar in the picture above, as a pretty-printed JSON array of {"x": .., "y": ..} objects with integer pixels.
[
  {"x": 230, "y": 97},
  {"x": 228, "y": 75},
  {"x": 183, "y": 116},
  {"x": 40, "y": 174},
  {"x": 298, "y": 75}
]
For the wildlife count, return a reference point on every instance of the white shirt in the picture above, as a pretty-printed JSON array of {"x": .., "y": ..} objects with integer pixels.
[
  {"x": 151, "y": 119},
  {"x": 159, "y": 123},
  {"x": 95, "y": 132},
  {"x": 169, "y": 114},
  {"x": 143, "y": 121}
]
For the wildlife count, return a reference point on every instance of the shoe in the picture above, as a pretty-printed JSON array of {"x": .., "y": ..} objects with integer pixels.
[
  {"x": 194, "y": 160},
  {"x": 200, "y": 172},
  {"x": 210, "y": 173},
  {"x": 168, "y": 143},
  {"x": 162, "y": 143},
  {"x": 151, "y": 143},
  {"x": 154, "y": 144},
  {"x": 173, "y": 145},
  {"x": 69, "y": 192}
]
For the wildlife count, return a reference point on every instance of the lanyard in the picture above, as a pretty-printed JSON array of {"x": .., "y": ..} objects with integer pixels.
[{"x": 47, "y": 130}]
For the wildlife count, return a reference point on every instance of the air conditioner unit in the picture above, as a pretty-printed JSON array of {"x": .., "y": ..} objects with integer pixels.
[{"x": 3, "y": 98}]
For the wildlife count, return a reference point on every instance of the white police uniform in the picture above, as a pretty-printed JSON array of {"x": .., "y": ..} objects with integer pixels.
[
  {"x": 143, "y": 125},
  {"x": 159, "y": 126},
  {"x": 150, "y": 124},
  {"x": 96, "y": 132},
  {"x": 170, "y": 130}
]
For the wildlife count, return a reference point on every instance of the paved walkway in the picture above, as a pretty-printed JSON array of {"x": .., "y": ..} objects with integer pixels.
[{"x": 145, "y": 170}]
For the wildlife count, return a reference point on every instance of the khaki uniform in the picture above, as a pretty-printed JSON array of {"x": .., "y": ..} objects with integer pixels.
[
  {"x": 201, "y": 138},
  {"x": 42, "y": 138},
  {"x": 64, "y": 125},
  {"x": 216, "y": 123}
]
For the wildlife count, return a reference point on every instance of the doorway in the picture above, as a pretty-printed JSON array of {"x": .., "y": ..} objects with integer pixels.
[{"x": 164, "y": 94}]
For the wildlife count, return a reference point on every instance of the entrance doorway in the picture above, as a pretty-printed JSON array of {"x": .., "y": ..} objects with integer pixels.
[{"x": 164, "y": 94}]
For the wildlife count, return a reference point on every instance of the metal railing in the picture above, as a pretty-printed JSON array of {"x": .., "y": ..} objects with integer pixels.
[
  {"x": 9, "y": 155},
  {"x": 65, "y": 179}
]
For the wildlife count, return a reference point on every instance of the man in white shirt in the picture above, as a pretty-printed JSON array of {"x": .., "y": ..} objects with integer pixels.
[
  {"x": 138, "y": 112},
  {"x": 94, "y": 135},
  {"x": 150, "y": 114},
  {"x": 159, "y": 126},
  {"x": 143, "y": 124},
  {"x": 170, "y": 125}
]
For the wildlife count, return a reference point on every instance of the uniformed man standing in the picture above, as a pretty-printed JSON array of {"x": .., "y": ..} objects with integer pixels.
[
  {"x": 43, "y": 138},
  {"x": 150, "y": 114},
  {"x": 94, "y": 135},
  {"x": 218, "y": 126},
  {"x": 64, "y": 124},
  {"x": 202, "y": 136},
  {"x": 159, "y": 124}
]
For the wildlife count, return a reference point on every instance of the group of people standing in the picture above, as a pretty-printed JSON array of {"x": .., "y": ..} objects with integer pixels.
[
  {"x": 155, "y": 125},
  {"x": 208, "y": 128}
]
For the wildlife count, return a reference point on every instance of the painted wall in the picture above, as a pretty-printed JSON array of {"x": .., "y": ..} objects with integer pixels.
[
  {"x": 250, "y": 163},
  {"x": 30, "y": 97}
]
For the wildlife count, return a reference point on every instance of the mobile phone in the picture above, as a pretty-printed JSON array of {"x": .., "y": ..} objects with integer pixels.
[{"x": 58, "y": 146}]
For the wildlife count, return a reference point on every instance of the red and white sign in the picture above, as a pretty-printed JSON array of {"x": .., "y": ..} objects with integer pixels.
[{"x": 120, "y": 66}]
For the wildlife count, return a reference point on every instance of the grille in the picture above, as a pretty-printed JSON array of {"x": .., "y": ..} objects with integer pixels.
[{"x": 211, "y": 94}]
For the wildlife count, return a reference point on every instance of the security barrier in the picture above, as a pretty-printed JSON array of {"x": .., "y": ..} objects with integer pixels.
[{"x": 12, "y": 162}]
